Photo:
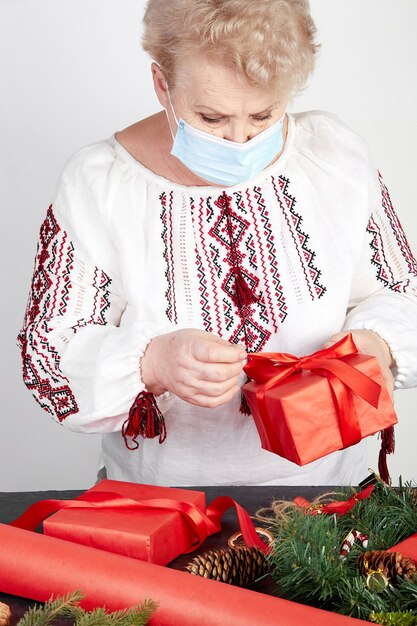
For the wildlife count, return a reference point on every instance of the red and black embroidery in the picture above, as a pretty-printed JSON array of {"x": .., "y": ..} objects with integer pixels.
[
  {"x": 237, "y": 260},
  {"x": 229, "y": 230},
  {"x": 208, "y": 259},
  {"x": 384, "y": 272},
  {"x": 240, "y": 286},
  {"x": 391, "y": 270},
  {"x": 300, "y": 238},
  {"x": 167, "y": 237},
  {"x": 397, "y": 229},
  {"x": 48, "y": 303},
  {"x": 277, "y": 295},
  {"x": 233, "y": 258}
]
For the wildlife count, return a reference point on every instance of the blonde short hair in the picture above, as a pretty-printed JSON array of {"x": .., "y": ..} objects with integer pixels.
[{"x": 267, "y": 42}]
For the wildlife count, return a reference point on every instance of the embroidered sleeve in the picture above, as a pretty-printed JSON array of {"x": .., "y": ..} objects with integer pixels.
[
  {"x": 394, "y": 263},
  {"x": 385, "y": 295},
  {"x": 80, "y": 365}
]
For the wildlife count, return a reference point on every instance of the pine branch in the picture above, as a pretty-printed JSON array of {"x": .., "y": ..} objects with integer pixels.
[
  {"x": 68, "y": 606},
  {"x": 306, "y": 563},
  {"x": 356, "y": 600},
  {"x": 387, "y": 517},
  {"x": 397, "y": 618},
  {"x": 136, "y": 616},
  {"x": 45, "y": 615}
]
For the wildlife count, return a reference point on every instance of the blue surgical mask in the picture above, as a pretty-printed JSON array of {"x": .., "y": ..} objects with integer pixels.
[{"x": 225, "y": 162}]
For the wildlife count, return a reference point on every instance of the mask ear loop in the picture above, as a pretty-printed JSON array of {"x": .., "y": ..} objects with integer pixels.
[
  {"x": 172, "y": 109},
  {"x": 170, "y": 102},
  {"x": 173, "y": 113}
]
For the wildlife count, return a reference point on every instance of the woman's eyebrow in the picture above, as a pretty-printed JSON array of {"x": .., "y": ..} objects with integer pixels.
[
  {"x": 216, "y": 112},
  {"x": 264, "y": 111}
]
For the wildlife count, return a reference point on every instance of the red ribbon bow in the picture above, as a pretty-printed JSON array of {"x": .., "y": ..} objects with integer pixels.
[
  {"x": 334, "y": 508},
  {"x": 270, "y": 368}
]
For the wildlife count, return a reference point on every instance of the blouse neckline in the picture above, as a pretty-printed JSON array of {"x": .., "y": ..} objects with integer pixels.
[{"x": 127, "y": 157}]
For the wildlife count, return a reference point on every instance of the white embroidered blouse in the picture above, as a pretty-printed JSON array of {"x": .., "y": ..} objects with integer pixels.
[{"x": 125, "y": 255}]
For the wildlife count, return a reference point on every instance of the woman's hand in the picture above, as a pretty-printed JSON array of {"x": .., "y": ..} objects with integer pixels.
[
  {"x": 368, "y": 342},
  {"x": 196, "y": 366}
]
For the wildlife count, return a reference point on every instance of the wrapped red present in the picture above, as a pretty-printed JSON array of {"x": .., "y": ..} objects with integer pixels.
[
  {"x": 154, "y": 535},
  {"x": 145, "y": 522},
  {"x": 408, "y": 547},
  {"x": 307, "y": 407}
]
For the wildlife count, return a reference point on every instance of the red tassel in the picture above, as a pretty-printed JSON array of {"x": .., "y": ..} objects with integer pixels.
[
  {"x": 244, "y": 406},
  {"x": 144, "y": 419},
  {"x": 243, "y": 295},
  {"x": 387, "y": 447}
]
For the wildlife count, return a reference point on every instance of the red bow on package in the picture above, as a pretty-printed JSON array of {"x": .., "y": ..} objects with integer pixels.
[{"x": 269, "y": 370}]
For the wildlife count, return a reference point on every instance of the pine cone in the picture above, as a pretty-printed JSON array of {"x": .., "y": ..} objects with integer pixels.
[
  {"x": 392, "y": 564},
  {"x": 5, "y": 614},
  {"x": 413, "y": 493},
  {"x": 239, "y": 566}
]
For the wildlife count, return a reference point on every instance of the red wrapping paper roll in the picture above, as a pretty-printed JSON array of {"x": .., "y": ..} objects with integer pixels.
[{"x": 34, "y": 566}]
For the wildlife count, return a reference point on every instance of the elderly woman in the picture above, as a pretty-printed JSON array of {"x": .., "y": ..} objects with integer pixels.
[{"x": 219, "y": 226}]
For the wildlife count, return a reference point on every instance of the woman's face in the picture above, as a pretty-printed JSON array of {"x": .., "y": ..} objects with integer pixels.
[{"x": 210, "y": 97}]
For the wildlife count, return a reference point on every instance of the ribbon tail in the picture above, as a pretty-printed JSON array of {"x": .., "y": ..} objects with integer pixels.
[
  {"x": 350, "y": 430},
  {"x": 36, "y": 513},
  {"x": 218, "y": 507}
]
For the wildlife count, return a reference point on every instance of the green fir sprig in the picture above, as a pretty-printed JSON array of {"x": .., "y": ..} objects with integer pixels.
[
  {"x": 387, "y": 517},
  {"x": 306, "y": 564},
  {"x": 55, "y": 607},
  {"x": 69, "y": 606},
  {"x": 397, "y": 618}
]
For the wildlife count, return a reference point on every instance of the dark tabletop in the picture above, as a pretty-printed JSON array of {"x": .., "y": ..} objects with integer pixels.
[{"x": 251, "y": 498}]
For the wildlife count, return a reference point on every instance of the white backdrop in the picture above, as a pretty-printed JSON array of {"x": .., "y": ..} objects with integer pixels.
[{"x": 72, "y": 72}]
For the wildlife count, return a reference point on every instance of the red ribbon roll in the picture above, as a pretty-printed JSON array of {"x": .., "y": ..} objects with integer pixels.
[{"x": 271, "y": 368}]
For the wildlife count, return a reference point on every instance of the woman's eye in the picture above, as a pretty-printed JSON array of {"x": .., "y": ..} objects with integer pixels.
[
  {"x": 218, "y": 120},
  {"x": 263, "y": 118},
  {"x": 211, "y": 120}
]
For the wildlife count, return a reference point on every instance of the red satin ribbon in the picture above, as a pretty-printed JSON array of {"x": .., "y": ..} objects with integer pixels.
[
  {"x": 202, "y": 524},
  {"x": 338, "y": 508},
  {"x": 270, "y": 368}
]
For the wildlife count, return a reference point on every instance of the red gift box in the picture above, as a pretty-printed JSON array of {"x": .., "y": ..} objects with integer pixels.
[
  {"x": 408, "y": 547},
  {"x": 156, "y": 536},
  {"x": 307, "y": 407}
]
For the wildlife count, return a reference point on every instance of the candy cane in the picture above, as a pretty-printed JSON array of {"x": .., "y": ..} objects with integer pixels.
[{"x": 353, "y": 536}]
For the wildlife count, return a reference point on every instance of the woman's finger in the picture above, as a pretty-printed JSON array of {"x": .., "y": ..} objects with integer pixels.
[
  {"x": 217, "y": 352},
  {"x": 204, "y": 388},
  {"x": 211, "y": 402},
  {"x": 218, "y": 372}
]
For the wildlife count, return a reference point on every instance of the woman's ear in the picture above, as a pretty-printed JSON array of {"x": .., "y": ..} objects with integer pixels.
[{"x": 160, "y": 85}]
